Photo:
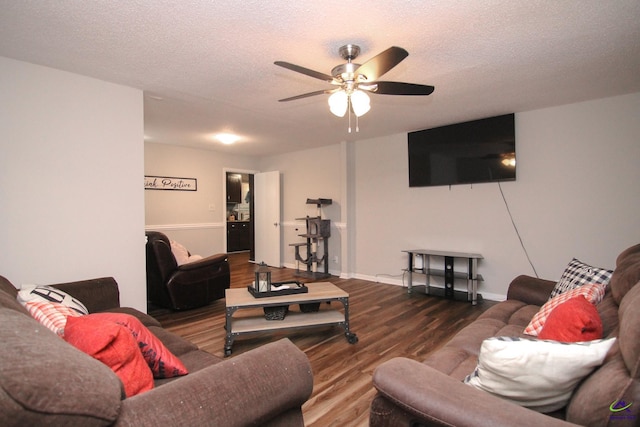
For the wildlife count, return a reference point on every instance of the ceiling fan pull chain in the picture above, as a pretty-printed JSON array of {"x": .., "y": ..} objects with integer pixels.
[
  {"x": 357, "y": 128},
  {"x": 349, "y": 110}
]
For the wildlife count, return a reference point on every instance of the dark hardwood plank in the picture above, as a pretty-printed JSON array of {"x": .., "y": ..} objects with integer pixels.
[{"x": 388, "y": 321}]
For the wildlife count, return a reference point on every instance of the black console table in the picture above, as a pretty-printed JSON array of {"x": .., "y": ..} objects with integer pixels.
[{"x": 448, "y": 271}]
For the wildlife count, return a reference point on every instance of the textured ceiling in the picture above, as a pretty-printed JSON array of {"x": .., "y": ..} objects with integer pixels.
[{"x": 211, "y": 62}]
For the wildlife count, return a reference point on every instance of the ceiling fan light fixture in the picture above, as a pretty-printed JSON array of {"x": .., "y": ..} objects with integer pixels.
[
  {"x": 360, "y": 103},
  {"x": 354, "y": 81},
  {"x": 338, "y": 103},
  {"x": 227, "y": 138}
]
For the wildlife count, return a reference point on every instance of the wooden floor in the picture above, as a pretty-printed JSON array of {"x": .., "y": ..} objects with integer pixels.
[{"x": 387, "y": 320}]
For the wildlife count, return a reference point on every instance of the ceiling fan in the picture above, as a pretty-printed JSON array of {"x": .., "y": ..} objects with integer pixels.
[{"x": 353, "y": 81}]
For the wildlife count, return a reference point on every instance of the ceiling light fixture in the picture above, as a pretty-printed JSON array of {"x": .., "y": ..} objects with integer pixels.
[
  {"x": 343, "y": 100},
  {"x": 227, "y": 138}
]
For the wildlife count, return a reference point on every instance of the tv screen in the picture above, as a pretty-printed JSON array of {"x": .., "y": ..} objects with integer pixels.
[{"x": 464, "y": 153}]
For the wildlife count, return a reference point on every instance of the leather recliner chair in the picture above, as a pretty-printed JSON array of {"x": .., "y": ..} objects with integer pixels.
[{"x": 186, "y": 286}]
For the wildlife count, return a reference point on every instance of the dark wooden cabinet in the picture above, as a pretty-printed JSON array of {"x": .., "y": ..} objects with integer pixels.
[
  {"x": 234, "y": 188},
  {"x": 238, "y": 236}
]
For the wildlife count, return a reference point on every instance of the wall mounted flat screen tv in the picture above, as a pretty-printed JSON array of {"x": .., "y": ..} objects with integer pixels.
[{"x": 463, "y": 153}]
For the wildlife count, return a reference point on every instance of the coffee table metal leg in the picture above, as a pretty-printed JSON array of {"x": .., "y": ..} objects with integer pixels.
[
  {"x": 229, "y": 335},
  {"x": 351, "y": 337}
]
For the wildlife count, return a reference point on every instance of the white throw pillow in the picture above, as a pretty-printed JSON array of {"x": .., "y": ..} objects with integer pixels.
[
  {"x": 41, "y": 293},
  {"x": 540, "y": 375},
  {"x": 180, "y": 253}
]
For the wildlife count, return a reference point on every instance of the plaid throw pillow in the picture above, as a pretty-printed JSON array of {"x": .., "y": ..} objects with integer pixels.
[
  {"x": 593, "y": 292},
  {"x": 577, "y": 274}
]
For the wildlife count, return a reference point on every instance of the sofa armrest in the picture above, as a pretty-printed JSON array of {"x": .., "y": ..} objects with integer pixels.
[
  {"x": 204, "y": 262},
  {"x": 439, "y": 399},
  {"x": 248, "y": 389},
  {"x": 530, "y": 290},
  {"x": 96, "y": 294}
]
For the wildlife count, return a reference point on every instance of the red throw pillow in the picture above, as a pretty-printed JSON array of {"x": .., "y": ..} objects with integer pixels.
[
  {"x": 575, "y": 320},
  {"x": 593, "y": 292},
  {"x": 162, "y": 362},
  {"x": 113, "y": 345}
]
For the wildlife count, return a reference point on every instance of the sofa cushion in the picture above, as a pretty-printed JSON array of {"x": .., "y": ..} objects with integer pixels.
[
  {"x": 610, "y": 384},
  {"x": 146, "y": 320},
  {"x": 573, "y": 321},
  {"x": 9, "y": 301},
  {"x": 628, "y": 335},
  {"x": 41, "y": 293},
  {"x": 161, "y": 361},
  {"x": 7, "y": 287},
  {"x": 540, "y": 375},
  {"x": 511, "y": 312},
  {"x": 627, "y": 272},
  {"x": 52, "y": 315},
  {"x": 113, "y": 345},
  {"x": 194, "y": 361},
  {"x": 79, "y": 389},
  {"x": 608, "y": 311},
  {"x": 592, "y": 399},
  {"x": 175, "y": 343},
  {"x": 618, "y": 379},
  {"x": 577, "y": 274},
  {"x": 459, "y": 357},
  {"x": 594, "y": 293}
]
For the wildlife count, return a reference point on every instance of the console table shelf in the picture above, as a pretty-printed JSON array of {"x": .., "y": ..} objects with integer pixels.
[{"x": 424, "y": 257}]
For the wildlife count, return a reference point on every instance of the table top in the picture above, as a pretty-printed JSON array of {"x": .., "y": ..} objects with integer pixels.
[
  {"x": 443, "y": 253},
  {"x": 318, "y": 291}
]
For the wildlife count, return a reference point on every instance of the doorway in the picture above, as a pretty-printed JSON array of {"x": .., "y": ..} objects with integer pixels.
[
  {"x": 240, "y": 212},
  {"x": 262, "y": 199}
]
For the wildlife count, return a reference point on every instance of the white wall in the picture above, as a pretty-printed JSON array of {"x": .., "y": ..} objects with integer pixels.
[
  {"x": 312, "y": 174},
  {"x": 186, "y": 216},
  {"x": 576, "y": 195},
  {"x": 71, "y": 194}
]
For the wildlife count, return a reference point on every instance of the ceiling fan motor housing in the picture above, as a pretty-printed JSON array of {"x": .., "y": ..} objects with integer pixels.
[
  {"x": 345, "y": 72},
  {"x": 349, "y": 51}
]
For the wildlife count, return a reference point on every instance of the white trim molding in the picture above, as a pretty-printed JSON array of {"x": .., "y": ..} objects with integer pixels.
[{"x": 196, "y": 226}]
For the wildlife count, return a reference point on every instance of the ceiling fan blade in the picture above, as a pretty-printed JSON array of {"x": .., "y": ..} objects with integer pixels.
[
  {"x": 381, "y": 63},
  {"x": 399, "y": 88},
  {"x": 305, "y": 71},
  {"x": 306, "y": 95}
]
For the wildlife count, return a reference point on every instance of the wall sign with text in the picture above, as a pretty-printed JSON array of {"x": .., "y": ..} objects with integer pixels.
[{"x": 170, "y": 183}]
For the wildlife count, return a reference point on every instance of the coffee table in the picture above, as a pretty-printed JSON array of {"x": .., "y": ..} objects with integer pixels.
[{"x": 240, "y": 298}]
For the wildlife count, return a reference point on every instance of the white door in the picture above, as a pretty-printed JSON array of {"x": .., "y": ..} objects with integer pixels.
[{"x": 267, "y": 217}]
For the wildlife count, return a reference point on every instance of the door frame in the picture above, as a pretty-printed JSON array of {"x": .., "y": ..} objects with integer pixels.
[{"x": 223, "y": 213}]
